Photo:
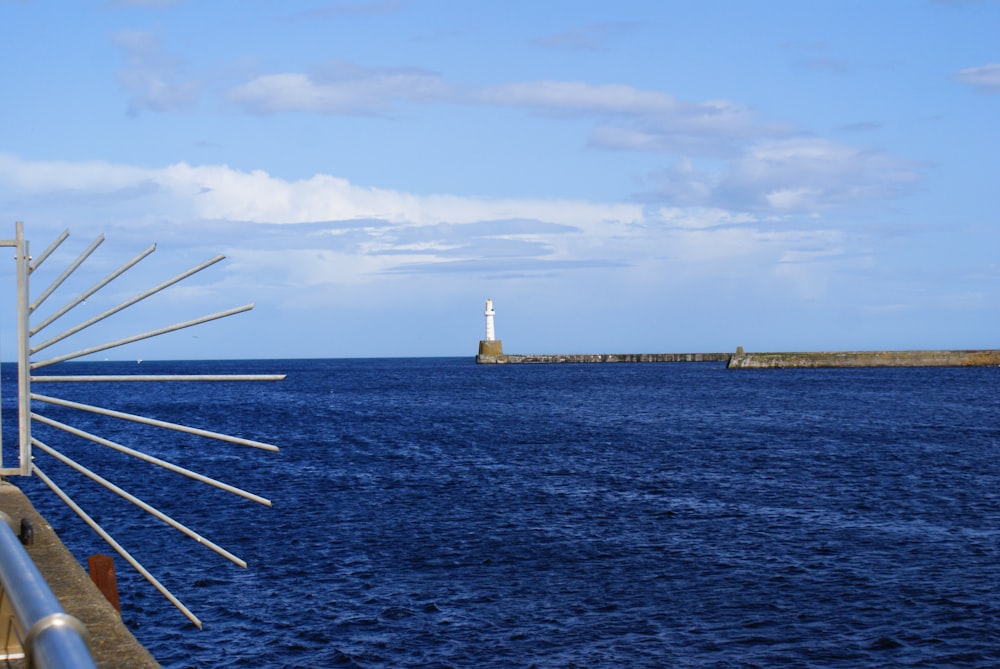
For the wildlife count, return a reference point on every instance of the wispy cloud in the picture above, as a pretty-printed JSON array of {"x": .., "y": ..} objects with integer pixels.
[
  {"x": 377, "y": 231},
  {"x": 220, "y": 192},
  {"x": 324, "y": 242},
  {"x": 153, "y": 79},
  {"x": 339, "y": 88},
  {"x": 628, "y": 118},
  {"x": 30, "y": 177},
  {"x": 754, "y": 164},
  {"x": 794, "y": 175},
  {"x": 985, "y": 78},
  {"x": 633, "y": 119},
  {"x": 577, "y": 97}
]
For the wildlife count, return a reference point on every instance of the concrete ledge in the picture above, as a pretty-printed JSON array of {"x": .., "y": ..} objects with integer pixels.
[{"x": 111, "y": 643}]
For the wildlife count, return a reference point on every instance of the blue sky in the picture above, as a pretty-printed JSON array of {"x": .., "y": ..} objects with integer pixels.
[{"x": 630, "y": 176}]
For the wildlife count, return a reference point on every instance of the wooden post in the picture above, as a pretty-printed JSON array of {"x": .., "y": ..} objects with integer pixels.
[{"x": 102, "y": 573}]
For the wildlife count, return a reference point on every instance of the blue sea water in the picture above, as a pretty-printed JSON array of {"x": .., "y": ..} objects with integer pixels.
[{"x": 436, "y": 513}]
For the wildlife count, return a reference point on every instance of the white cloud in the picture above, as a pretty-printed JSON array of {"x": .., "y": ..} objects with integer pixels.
[
  {"x": 324, "y": 229},
  {"x": 635, "y": 119},
  {"x": 768, "y": 168},
  {"x": 694, "y": 218},
  {"x": 31, "y": 177},
  {"x": 324, "y": 232},
  {"x": 986, "y": 78},
  {"x": 630, "y": 118},
  {"x": 325, "y": 253},
  {"x": 345, "y": 88},
  {"x": 811, "y": 174},
  {"x": 793, "y": 199},
  {"x": 577, "y": 97},
  {"x": 220, "y": 192},
  {"x": 791, "y": 175},
  {"x": 338, "y": 88}
]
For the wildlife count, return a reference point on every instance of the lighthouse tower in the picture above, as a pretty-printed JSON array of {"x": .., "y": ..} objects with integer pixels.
[
  {"x": 489, "y": 320},
  {"x": 490, "y": 348}
]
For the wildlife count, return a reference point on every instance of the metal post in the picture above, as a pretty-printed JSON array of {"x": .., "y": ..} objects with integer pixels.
[
  {"x": 7, "y": 243},
  {"x": 23, "y": 369}
]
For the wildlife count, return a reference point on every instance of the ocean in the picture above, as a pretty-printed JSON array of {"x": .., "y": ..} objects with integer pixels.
[{"x": 436, "y": 513}]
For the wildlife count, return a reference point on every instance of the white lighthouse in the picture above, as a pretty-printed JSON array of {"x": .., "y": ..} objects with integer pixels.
[
  {"x": 490, "y": 336},
  {"x": 491, "y": 348}
]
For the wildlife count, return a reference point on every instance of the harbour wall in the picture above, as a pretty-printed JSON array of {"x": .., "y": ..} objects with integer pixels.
[
  {"x": 512, "y": 359},
  {"x": 744, "y": 360},
  {"x": 979, "y": 358}
]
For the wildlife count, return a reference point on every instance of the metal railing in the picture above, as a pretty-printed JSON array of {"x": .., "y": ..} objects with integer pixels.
[
  {"x": 29, "y": 443},
  {"x": 33, "y": 624}
]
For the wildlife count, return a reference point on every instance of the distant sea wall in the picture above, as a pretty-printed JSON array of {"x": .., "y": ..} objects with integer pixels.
[
  {"x": 744, "y": 360},
  {"x": 513, "y": 359},
  {"x": 983, "y": 358}
]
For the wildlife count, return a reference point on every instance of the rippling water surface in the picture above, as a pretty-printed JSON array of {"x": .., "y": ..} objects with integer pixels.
[{"x": 435, "y": 513}]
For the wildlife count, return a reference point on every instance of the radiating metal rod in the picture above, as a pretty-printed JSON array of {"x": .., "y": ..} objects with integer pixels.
[
  {"x": 117, "y": 547},
  {"x": 127, "y": 303},
  {"x": 152, "y": 460},
  {"x": 154, "y": 422},
  {"x": 47, "y": 252},
  {"x": 66, "y": 272},
  {"x": 120, "y": 378},
  {"x": 153, "y": 511},
  {"x": 144, "y": 335},
  {"x": 93, "y": 289}
]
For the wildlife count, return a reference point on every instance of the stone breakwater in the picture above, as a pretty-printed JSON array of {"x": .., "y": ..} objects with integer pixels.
[
  {"x": 743, "y": 360},
  {"x": 981, "y": 358},
  {"x": 502, "y": 359}
]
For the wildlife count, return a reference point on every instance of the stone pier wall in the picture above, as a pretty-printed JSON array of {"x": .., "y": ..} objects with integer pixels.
[
  {"x": 511, "y": 359},
  {"x": 981, "y": 358},
  {"x": 744, "y": 360}
]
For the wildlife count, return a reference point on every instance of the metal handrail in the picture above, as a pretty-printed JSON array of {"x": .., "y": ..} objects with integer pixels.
[{"x": 49, "y": 637}]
